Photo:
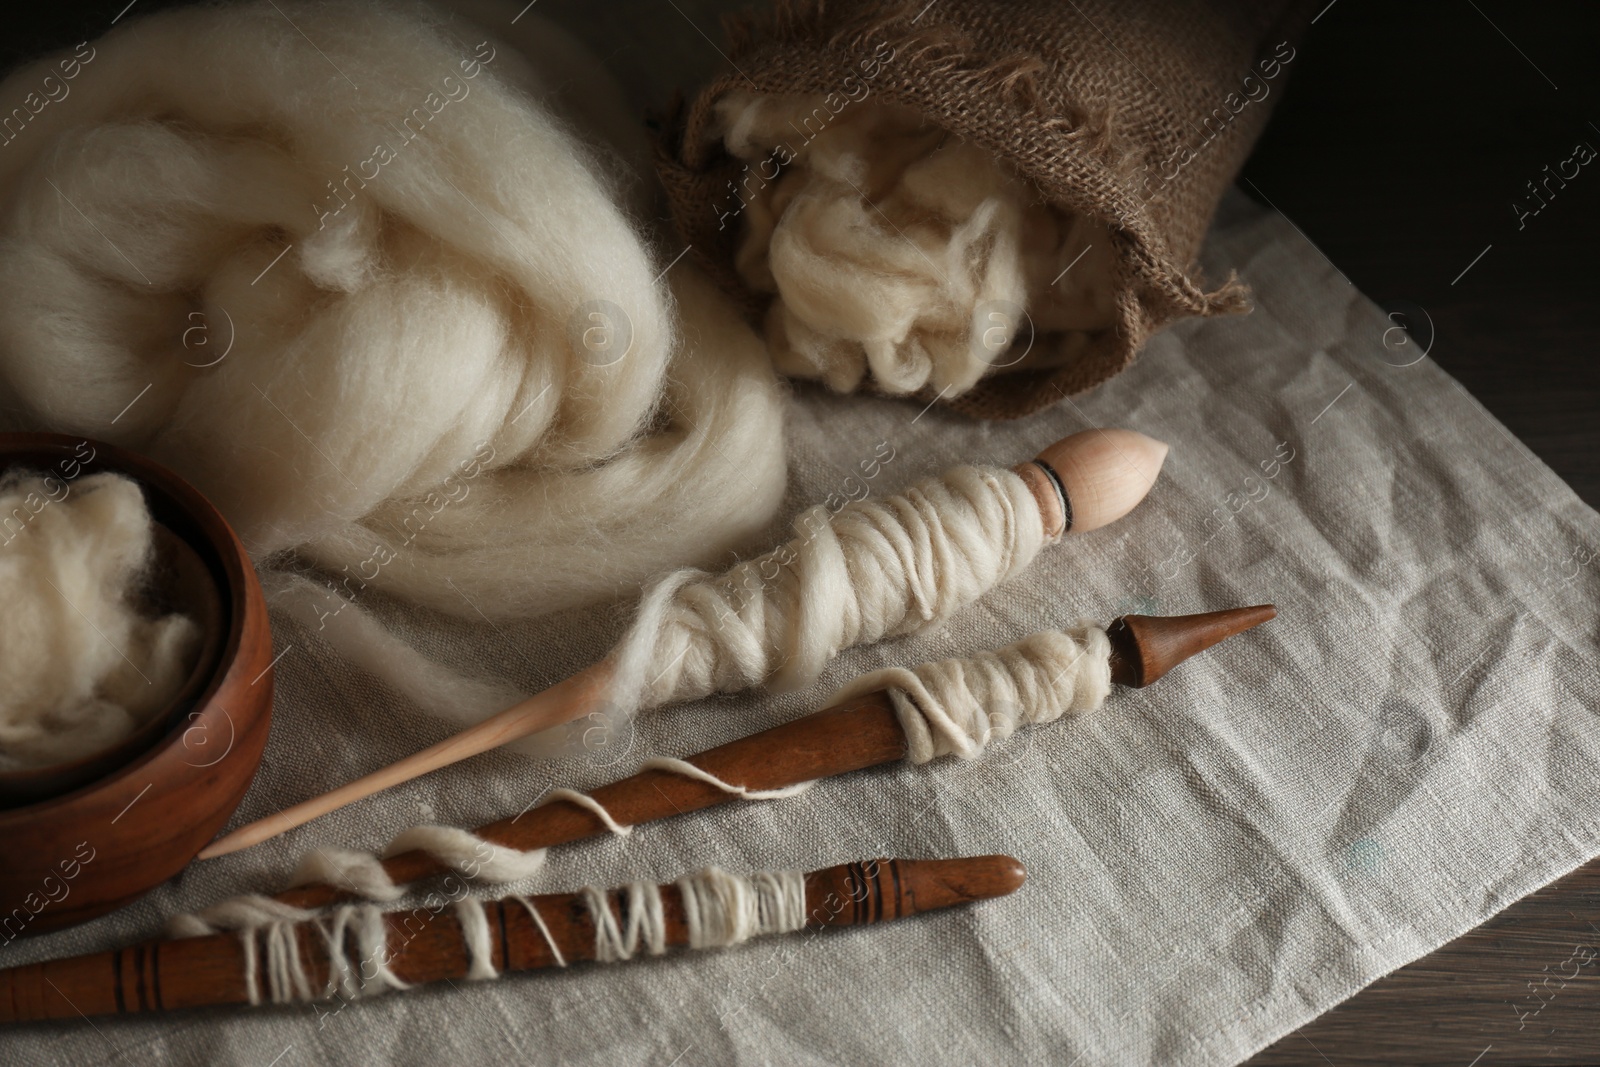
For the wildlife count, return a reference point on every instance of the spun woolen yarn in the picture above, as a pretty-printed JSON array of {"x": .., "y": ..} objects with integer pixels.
[
  {"x": 875, "y": 569},
  {"x": 957, "y": 706},
  {"x": 720, "y": 909},
  {"x": 380, "y": 302}
]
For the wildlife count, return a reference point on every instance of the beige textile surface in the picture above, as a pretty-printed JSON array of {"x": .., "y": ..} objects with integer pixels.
[{"x": 1408, "y": 748}]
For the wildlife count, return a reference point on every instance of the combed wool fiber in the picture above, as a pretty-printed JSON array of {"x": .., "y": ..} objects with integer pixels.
[
  {"x": 346, "y": 268},
  {"x": 900, "y": 255},
  {"x": 82, "y": 664}
]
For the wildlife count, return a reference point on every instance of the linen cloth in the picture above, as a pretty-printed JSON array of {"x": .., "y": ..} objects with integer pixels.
[{"x": 1407, "y": 749}]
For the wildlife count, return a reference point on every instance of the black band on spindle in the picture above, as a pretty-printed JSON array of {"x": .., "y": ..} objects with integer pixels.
[{"x": 1061, "y": 492}]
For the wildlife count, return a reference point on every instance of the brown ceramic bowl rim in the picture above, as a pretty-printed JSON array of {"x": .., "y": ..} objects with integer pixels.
[{"x": 216, "y": 550}]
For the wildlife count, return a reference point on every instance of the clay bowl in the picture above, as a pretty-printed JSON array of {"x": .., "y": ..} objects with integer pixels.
[{"x": 80, "y": 839}]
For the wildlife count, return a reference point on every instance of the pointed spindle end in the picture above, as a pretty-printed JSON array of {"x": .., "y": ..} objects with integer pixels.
[
  {"x": 1145, "y": 647},
  {"x": 1104, "y": 474},
  {"x": 853, "y": 894},
  {"x": 925, "y": 885}
]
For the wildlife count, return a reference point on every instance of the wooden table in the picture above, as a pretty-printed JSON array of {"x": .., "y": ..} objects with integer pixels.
[{"x": 1399, "y": 148}]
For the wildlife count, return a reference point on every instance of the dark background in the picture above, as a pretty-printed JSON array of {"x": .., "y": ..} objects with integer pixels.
[
  {"x": 1403, "y": 139},
  {"x": 1399, "y": 148}
]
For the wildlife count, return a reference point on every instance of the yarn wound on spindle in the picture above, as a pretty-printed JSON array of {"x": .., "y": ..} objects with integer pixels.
[
  {"x": 957, "y": 706},
  {"x": 721, "y": 909},
  {"x": 875, "y": 569},
  {"x": 385, "y": 300}
]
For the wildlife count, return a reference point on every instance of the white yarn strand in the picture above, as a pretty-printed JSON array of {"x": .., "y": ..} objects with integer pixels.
[
  {"x": 463, "y": 851},
  {"x": 365, "y": 975},
  {"x": 475, "y": 932},
  {"x": 538, "y": 920},
  {"x": 724, "y": 909},
  {"x": 699, "y": 774},
  {"x": 241, "y": 912},
  {"x": 876, "y": 569},
  {"x": 721, "y": 909},
  {"x": 610, "y": 945},
  {"x": 362, "y": 874},
  {"x": 590, "y": 804},
  {"x": 350, "y": 978},
  {"x": 286, "y": 972},
  {"x": 342, "y": 977}
]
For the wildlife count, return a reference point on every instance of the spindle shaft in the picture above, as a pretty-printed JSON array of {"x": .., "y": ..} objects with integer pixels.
[{"x": 851, "y": 736}]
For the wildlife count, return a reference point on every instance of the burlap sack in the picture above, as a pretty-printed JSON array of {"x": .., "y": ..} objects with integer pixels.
[{"x": 1137, "y": 113}]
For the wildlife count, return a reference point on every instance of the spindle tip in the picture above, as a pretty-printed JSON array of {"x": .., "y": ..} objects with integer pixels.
[
  {"x": 930, "y": 884},
  {"x": 1145, "y": 647},
  {"x": 1007, "y": 874},
  {"x": 1105, "y": 473}
]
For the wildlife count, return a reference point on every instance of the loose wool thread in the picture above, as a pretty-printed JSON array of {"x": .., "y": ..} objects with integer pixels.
[
  {"x": 83, "y": 664},
  {"x": 896, "y": 249},
  {"x": 410, "y": 332},
  {"x": 721, "y": 910}
]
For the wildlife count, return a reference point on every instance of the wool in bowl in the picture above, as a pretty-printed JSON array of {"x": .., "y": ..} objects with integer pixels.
[
  {"x": 385, "y": 300},
  {"x": 83, "y": 664}
]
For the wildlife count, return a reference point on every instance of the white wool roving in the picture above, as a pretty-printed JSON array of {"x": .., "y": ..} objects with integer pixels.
[
  {"x": 81, "y": 666},
  {"x": 341, "y": 266},
  {"x": 896, "y": 249}
]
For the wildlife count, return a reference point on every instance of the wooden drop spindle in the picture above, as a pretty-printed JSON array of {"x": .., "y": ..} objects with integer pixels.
[
  {"x": 852, "y": 735},
  {"x": 427, "y": 944},
  {"x": 1099, "y": 476}
]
